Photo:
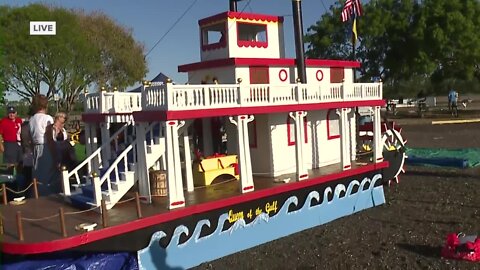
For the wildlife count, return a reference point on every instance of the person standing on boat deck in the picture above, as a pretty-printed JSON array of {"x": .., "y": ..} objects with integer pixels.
[
  {"x": 10, "y": 127},
  {"x": 59, "y": 143},
  {"x": 27, "y": 152},
  {"x": 44, "y": 169}
]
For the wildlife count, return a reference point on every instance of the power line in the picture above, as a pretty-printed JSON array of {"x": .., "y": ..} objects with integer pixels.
[
  {"x": 323, "y": 4},
  {"x": 246, "y": 5},
  {"x": 171, "y": 27}
]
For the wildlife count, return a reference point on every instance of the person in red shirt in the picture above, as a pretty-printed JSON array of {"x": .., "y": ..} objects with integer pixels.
[{"x": 10, "y": 127}]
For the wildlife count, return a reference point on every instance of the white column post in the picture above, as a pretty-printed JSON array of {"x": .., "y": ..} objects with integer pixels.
[
  {"x": 141, "y": 169},
  {"x": 377, "y": 136},
  {"x": 94, "y": 146},
  {"x": 97, "y": 189},
  {"x": 247, "y": 160},
  {"x": 299, "y": 117},
  {"x": 188, "y": 156},
  {"x": 65, "y": 181},
  {"x": 106, "y": 152},
  {"x": 244, "y": 160},
  {"x": 353, "y": 134},
  {"x": 176, "y": 198},
  {"x": 344, "y": 139},
  {"x": 88, "y": 144}
]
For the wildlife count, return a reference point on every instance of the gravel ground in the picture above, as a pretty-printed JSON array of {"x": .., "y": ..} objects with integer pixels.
[{"x": 406, "y": 233}]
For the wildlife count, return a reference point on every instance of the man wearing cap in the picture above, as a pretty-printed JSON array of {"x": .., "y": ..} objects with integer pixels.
[{"x": 10, "y": 127}]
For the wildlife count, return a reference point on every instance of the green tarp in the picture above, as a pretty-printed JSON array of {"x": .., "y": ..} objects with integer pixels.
[{"x": 472, "y": 155}]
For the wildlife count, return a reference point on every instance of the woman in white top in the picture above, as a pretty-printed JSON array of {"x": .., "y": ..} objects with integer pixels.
[
  {"x": 58, "y": 141},
  {"x": 44, "y": 169}
]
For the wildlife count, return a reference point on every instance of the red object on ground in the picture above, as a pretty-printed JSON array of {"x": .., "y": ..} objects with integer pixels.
[{"x": 462, "y": 248}]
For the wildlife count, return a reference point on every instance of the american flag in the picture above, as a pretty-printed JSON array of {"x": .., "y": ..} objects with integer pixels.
[{"x": 351, "y": 7}]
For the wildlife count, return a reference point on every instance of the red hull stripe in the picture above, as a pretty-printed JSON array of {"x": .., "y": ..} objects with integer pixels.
[
  {"x": 270, "y": 62},
  {"x": 189, "y": 114},
  {"x": 89, "y": 237}
]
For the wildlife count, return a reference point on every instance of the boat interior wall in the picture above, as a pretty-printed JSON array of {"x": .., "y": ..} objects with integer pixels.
[
  {"x": 329, "y": 137},
  {"x": 224, "y": 75},
  {"x": 260, "y": 145},
  {"x": 317, "y": 75},
  {"x": 282, "y": 132},
  {"x": 232, "y": 138},
  {"x": 277, "y": 74}
]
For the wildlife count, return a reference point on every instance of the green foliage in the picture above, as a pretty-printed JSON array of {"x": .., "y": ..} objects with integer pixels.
[
  {"x": 412, "y": 45},
  {"x": 87, "y": 49}
]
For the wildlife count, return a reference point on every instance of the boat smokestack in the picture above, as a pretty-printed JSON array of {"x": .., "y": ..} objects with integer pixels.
[
  {"x": 298, "y": 30},
  {"x": 233, "y": 5}
]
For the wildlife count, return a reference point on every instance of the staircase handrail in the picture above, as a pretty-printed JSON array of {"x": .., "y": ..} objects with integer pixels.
[
  {"x": 82, "y": 164},
  {"x": 113, "y": 166},
  {"x": 96, "y": 153}
]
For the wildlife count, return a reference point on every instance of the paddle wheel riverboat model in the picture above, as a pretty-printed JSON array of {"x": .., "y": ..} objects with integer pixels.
[{"x": 242, "y": 154}]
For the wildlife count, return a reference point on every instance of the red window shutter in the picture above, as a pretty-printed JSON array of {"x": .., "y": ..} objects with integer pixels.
[{"x": 337, "y": 74}]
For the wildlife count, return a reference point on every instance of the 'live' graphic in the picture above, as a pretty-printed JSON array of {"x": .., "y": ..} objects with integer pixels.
[{"x": 43, "y": 28}]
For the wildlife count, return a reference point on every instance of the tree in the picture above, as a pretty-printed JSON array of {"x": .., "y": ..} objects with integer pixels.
[
  {"x": 3, "y": 87},
  {"x": 69, "y": 61},
  {"x": 406, "y": 43}
]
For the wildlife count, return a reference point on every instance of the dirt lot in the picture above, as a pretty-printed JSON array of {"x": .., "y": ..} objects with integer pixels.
[{"x": 406, "y": 233}]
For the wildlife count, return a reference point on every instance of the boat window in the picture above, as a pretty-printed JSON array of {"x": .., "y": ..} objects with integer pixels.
[
  {"x": 291, "y": 130},
  {"x": 214, "y": 36},
  {"x": 259, "y": 75},
  {"x": 251, "y": 35},
  {"x": 333, "y": 124},
  {"x": 337, "y": 74}
]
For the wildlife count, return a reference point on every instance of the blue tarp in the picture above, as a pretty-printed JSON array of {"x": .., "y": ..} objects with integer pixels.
[{"x": 98, "y": 261}]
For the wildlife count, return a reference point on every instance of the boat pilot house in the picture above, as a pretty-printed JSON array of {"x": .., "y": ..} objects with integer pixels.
[{"x": 242, "y": 140}]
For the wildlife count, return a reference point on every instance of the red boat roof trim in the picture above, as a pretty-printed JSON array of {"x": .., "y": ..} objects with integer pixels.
[
  {"x": 240, "y": 15},
  {"x": 266, "y": 62},
  {"x": 148, "y": 116}
]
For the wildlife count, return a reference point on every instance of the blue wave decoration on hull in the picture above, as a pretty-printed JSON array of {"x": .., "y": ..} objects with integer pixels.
[{"x": 241, "y": 236}]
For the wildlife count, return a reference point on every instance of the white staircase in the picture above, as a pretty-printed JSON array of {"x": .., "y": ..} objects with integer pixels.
[{"x": 110, "y": 183}]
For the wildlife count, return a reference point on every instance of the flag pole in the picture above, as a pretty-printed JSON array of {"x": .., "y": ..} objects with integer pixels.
[{"x": 354, "y": 30}]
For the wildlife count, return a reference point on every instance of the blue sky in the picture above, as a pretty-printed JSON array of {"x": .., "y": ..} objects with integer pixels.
[{"x": 151, "y": 19}]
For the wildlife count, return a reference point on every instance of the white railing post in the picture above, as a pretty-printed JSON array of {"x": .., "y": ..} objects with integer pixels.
[
  {"x": 380, "y": 89},
  {"x": 299, "y": 91},
  {"x": 66, "y": 181},
  {"x": 97, "y": 189},
  {"x": 170, "y": 94},
  {"x": 102, "y": 100},
  {"x": 117, "y": 101},
  {"x": 87, "y": 105},
  {"x": 145, "y": 99},
  {"x": 240, "y": 90},
  {"x": 343, "y": 90}
]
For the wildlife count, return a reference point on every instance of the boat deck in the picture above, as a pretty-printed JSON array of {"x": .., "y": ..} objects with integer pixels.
[{"x": 41, "y": 219}]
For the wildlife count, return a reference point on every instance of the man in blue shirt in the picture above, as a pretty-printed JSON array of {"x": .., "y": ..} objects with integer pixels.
[{"x": 452, "y": 99}]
